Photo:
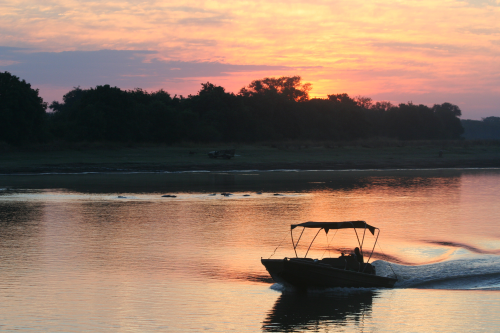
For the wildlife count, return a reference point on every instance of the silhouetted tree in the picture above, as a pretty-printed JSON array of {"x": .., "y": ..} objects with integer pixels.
[
  {"x": 450, "y": 125},
  {"x": 267, "y": 109},
  {"x": 382, "y": 105},
  {"x": 448, "y": 108},
  {"x": 486, "y": 129},
  {"x": 290, "y": 87},
  {"x": 342, "y": 99},
  {"x": 22, "y": 111},
  {"x": 364, "y": 102},
  {"x": 109, "y": 113}
]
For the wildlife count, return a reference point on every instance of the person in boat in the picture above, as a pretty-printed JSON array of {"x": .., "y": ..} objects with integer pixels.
[
  {"x": 358, "y": 255},
  {"x": 359, "y": 258}
]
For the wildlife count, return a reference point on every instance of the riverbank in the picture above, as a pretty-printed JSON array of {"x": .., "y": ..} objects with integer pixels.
[{"x": 303, "y": 156}]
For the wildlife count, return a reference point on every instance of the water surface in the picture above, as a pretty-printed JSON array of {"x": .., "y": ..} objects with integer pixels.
[{"x": 95, "y": 252}]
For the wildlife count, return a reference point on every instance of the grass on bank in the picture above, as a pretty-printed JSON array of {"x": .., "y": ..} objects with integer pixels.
[{"x": 363, "y": 153}]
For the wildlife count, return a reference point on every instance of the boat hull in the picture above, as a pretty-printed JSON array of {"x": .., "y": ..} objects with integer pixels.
[{"x": 305, "y": 273}]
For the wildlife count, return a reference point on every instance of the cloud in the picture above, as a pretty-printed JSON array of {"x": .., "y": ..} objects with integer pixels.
[
  {"x": 482, "y": 3},
  {"x": 418, "y": 46},
  {"x": 204, "y": 21},
  {"x": 189, "y": 9},
  {"x": 353, "y": 46},
  {"x": 123, "y": 68},
  {"x": 481, "y": 31}
]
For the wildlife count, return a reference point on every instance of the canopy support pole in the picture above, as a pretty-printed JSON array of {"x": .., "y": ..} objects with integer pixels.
[
  {"x": 293, "y": 243},
  {"x": 363, "y": 241},
  {"x": 359, "y": 243},
  {"x": 376, "y": 239},
  {"x": 312, "y": 242},
  {"x": 298, "y": 240}
]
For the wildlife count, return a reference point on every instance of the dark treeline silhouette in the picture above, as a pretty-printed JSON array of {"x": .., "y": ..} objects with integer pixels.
[
  {"x": 267, "y": 109},
  {"x": 22, "y": 111},
  {"x": 486, "y": 129}
]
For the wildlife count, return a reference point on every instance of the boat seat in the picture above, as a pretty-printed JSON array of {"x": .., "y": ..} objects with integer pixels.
[
  {"x": 349, "y": 263},
  {"x": 335, "y": 262}
]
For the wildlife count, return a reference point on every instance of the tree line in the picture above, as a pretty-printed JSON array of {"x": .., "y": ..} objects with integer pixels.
[
  {"x": 267, "y": 109},
  {"x": 485, "y": 129}
]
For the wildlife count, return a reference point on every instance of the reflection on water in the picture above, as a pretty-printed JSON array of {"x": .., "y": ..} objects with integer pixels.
[
  {"x": 100, "y": 252},
  {"x": 20, "y": 232},
  {"x": 328, "y": 310},
  {"x": 235, "y": 182}
]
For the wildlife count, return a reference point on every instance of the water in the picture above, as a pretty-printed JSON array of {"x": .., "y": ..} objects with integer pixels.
[{"x": 106, "y": 252}]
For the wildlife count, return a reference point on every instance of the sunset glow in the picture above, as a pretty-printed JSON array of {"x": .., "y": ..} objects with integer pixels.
[{"x": 425, "y": 51}]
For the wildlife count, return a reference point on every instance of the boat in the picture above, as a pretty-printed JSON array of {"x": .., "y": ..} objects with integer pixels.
[{"x": 345, "y": 271}]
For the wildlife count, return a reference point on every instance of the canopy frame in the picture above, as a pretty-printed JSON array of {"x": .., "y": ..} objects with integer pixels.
[{"x": 336, "y": 225}]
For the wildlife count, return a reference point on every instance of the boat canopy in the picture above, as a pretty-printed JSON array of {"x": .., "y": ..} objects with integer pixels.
[{"x": 336, "y": 225}]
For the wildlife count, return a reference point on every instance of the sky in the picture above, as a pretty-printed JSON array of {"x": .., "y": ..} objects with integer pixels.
[{"x": 423, "y": 51}]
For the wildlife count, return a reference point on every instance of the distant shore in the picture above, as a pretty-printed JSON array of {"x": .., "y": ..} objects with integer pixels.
[
  {"x": 128, "y": 168},
  {"x": 415, "y": 155}
]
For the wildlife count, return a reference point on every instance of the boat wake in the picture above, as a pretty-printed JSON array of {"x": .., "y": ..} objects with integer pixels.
[{"x": 473, "y": 272}]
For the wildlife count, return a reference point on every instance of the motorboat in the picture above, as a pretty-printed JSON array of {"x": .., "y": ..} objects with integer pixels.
[{"x": 344, "y": 271}]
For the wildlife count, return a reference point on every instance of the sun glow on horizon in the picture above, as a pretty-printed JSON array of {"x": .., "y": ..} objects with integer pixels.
[{"x": 384, "y": 49}]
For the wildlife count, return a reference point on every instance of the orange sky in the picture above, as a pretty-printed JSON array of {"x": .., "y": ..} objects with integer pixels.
[{"x": 420, "y": 50}]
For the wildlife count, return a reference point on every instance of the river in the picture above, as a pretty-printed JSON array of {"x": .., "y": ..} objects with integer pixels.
[{"x": 109, "y": 252}]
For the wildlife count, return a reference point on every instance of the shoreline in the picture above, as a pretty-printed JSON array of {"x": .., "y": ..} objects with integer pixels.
[
  {"x": 82, "y": 168},
  {"x": 255, "y": 158}
]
